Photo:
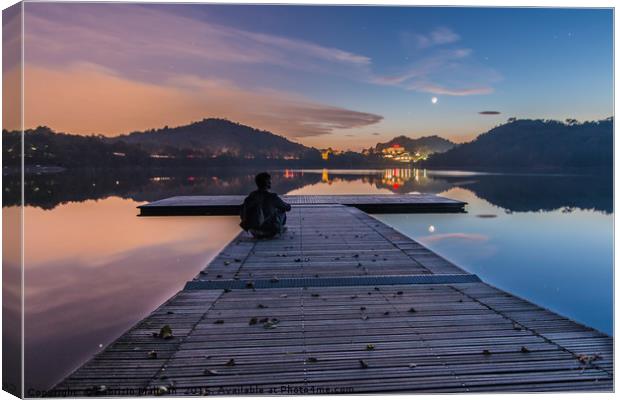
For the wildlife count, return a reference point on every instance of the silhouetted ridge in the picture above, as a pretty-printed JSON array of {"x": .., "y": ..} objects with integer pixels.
[
  {"x": 214, "y": 137},
  {"x": 534, "y": 144}
]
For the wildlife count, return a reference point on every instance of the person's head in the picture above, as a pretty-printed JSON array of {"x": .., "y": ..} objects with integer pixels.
[{"x": 263, "y": 181}]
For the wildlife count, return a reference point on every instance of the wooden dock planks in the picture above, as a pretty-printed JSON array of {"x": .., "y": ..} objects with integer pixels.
[{"x": 365, "y": 338}]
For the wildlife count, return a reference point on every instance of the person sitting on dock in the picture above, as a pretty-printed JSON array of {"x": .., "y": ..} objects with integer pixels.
[{"x": 263, "y": 213}]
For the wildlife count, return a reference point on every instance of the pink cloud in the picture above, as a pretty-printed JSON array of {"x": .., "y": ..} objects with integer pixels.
[
  {"x": 130, "y": 37},
  {"x": 436, "y": 89},
  {"x": 98, "y": 100}
]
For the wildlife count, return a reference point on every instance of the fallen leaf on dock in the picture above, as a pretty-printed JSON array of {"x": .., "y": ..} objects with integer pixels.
[
  {"x": 100, "y": 390},
  {"x": 165, "y": 332},
  {"x": 152, "y": 354},
  {"x": 587, "y": 359},
  {"x": 413, "y": 365},
  {"x": 161, "y": 390},
  {"x": 271, "y": 324},
  {"x": 363, "y": 364},
  {"x": 253, "y": 321},
  {"x": 486, "y": 352},
  {"x": 231, "y": 363},
  {"x": 261, "y": 306},
  {"x": 312, "y": 359},
  {"x": 219, "y": 321},
  {"x": 364, "y": 317},
  {"x": 411, "y": 310},
  {"x": 211, "y": 372},
  {"x": 524, "y": 349},
  {"x": 370, "y": 347}
]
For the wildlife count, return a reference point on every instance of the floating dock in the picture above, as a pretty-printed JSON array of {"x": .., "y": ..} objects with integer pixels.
[
  {"x": 376, "y": 204},
  {"x": 342, "y": 303}
]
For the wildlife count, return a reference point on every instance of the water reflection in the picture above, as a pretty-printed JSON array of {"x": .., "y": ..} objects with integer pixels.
[
  {"x": 94, "y": 268},
  {"x": 561, "y": 261},
  {"x": 510, "y": 191}
]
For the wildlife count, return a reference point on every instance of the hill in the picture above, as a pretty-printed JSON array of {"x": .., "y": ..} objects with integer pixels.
[
  {"x": 426, "y": 144},
  {"x": 210, "y": 142},
  {"x": 216, "y": 137},
  {"x": 406, "y": 149},
  {"x": 534, "y": 144}
]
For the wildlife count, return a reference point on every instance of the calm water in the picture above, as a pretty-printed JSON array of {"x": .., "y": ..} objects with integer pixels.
[{"x": 93, "y": 269}]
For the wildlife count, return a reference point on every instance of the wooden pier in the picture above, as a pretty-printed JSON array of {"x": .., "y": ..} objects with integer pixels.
[
  {"x": 342, "y": 303},
  {"x": 377, "y": 204}
]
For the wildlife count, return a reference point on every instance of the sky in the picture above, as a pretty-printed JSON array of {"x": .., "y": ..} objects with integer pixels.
[{"x": 340, "y": 76}]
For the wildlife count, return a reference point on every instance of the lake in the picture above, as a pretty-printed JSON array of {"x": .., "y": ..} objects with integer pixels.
[{"x": 93, "y": 268}]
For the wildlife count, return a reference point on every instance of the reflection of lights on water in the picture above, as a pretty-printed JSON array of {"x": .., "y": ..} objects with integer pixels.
[
  {"x": 325, "y": 175},
  {"x": 431, "y": 228}
]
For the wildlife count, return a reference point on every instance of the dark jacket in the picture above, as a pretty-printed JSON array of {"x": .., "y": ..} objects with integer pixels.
[{"x": 272, "y": 206}]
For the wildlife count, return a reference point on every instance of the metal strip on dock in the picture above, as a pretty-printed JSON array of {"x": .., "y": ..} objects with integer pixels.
[{"x": 333, "y": 282}]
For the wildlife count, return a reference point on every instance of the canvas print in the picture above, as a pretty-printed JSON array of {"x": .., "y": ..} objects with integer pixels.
[{"x": 229, "y": 199}]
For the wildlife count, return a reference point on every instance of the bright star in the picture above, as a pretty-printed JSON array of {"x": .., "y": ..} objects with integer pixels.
[{"x": 434, "y": 100}]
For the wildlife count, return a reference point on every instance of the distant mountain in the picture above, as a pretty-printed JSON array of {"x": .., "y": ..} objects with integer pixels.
[
  {"x": 216, "y": 137},
  {"x": 424, "y": 145},
  {"x": 534, "y": 144},
  {"x": 210, "y": 142}
]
